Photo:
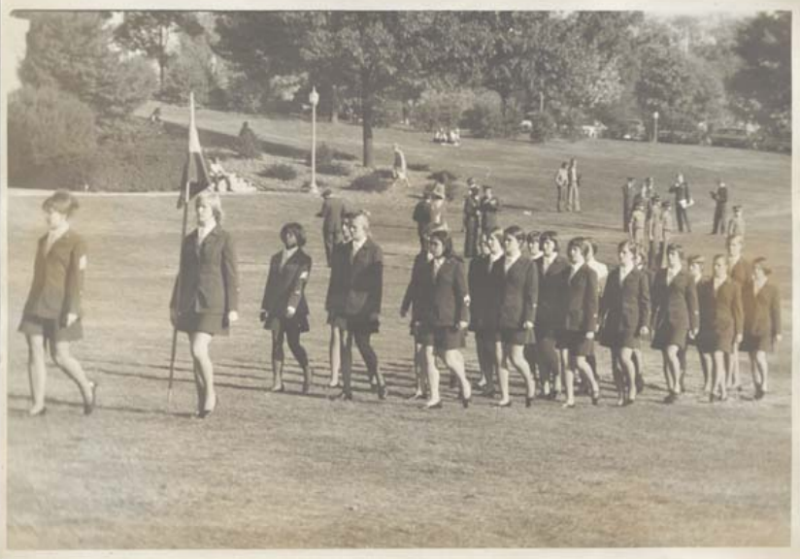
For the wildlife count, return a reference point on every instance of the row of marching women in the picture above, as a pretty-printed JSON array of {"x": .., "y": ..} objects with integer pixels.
[{"x": 529, "y": 308}]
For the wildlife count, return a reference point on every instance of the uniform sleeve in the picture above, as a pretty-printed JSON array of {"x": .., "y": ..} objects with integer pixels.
[
  {"x": 75, "y": 273},
  {"x": 737, "y": 310},
  {"x": 644, "y": 301},
  {"x": 775, "y": 312},
  {"x": 375, "y": 275},
  {"x": 531, "y": 293},
  {"x": 590, "y": 302},
  {"x": 462, "y": 294},
  {"x": 408, "y": 297},
  {"x": 230, "y": 274},
  {"x": 267, "y": 286},
  {"x": 691, "y": 303},
  {"x": 299, "y": 283},
  {"x": 603, "y": 303}
]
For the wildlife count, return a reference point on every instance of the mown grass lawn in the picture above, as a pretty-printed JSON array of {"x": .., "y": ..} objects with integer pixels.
[{"x": 285, "y": 471}]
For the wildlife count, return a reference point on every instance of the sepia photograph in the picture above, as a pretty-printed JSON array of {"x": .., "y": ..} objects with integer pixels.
[{"x": 397, "y": 277}]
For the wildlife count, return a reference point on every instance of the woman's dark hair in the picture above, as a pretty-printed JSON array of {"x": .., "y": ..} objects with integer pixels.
[
  {"x": 533, "y": 237},
  {"x": 295, "y": 229},
  {"x": 581, "y": 243},
  {"x": 676, "y": 248},
  {"x": 549, "y": 236},
  {"x": 516, "y": 232},
  {"x": 762, "y": 263},
  {"x": 61, "y": 201},
  {"x": 443, "y": 236}
]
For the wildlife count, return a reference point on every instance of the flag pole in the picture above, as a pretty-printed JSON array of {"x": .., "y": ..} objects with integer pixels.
[{"x": 176, "y": 304}]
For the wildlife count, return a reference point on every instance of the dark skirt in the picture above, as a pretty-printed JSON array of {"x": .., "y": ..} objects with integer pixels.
[
  {"x": 51, "y": 329},
  {"x": 359, "y": 325},
  {"x": 423, "y": 334},
  {"x": 517, "y": 336},
  {"x": 337, "y": 320},
  {"x": 298, "y": 322},
  {"x": 618, "y": 340},
  {"x": 191, "y": 322},
  {"x": 666, "y": 335},
  {"x": 446, "y": 338},
  {"x": 756, "y": 343},
  {"x": 578, "y": 344}
]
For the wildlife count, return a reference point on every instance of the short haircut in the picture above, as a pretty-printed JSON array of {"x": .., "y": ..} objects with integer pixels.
[
  {"x": 718, "y": 257},
  {"x": 212, "y": 199},
  {"x": 496, "y": 232},
  {"x": 627, "y": 245},
  {"x": 295, "y": 229},
  {"x": 533, "y": 237},
  {"x": 732, "y": 238},
  {"x": 443, "y": 236},
  {"x": 61, "y": 201},
  {"x": 593, "y": 244},
  {"x": 676, "y": 248},
  {"x": 551, "y": 236},
  {"x": 762, "y": 263},
  {"x": 696, "y": 259},
  {"x": 737, "y": 208},
  {"x": 581, "y": 243},
  {"x": 516, "y": 232}
]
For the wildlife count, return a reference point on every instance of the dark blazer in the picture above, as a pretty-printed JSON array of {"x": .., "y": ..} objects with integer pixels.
[
  {"x": 625, "y": 308},
  {"x": 332, "y": 214},
  {"x": 581, "y": 300},
  {"x": 762, "y": 311},
  {"x": 363, "y": 278},
  {"x": 489, "y": 209},
  {"x": 57, "y": 278},
  {"x": 415, "y": 298},
  {"x": 721, "y": 314},
  {"x": 472, "y": 211},
  {"x": 485, "y": 286},
  {"x": 209, "y": 280},
  {"x": 449, "y": 293},
  {"x": 742, "y": 273},
  {"x": 286, "y": 286},
  {"x": 337, "y": 283},
  {"x": 550, "y": 311},
  {"x": 519, "y": 295},
  {"x": 675, "y": 304}
]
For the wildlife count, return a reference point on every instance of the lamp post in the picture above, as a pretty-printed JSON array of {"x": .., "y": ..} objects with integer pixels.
[
  {"x": 313, "y": 98},
  {"x": 655, "y": 127}
]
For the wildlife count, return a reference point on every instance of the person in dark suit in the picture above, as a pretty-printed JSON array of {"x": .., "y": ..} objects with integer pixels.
[
  {"x": 472, "y": 220},
  {"x": 762, "y": 323},
  {"x": 624, "y": 318},
  {"x": 53, "y": 309},
  {"x": 740, "y": 270},
  {"x": 205, "y": 299},
  {"x": 334, "y": 301},
  {"x": 447, "y": 314},
  {"x": 720, "y": 197},
  {"x": 549, "y": 315},
  {"x": 517, "y": 313},
  {"x": 628, "y": 194},
  {"x": 284, "y": 309},
  {"x": 721, "y": 322},
  {"x": 423, "y": 216},
  {"x": 683, "y": 199},
  {"x": 485, "y": 279},
  {"x": 490, "y": 205},
  {"x": 675, "y": 316},
  {"x": 637, "y": 357},
  {"x": 332, "y": 213},
  {"x": 580, "y": 300},
  {"x": 363, "y": 282}
]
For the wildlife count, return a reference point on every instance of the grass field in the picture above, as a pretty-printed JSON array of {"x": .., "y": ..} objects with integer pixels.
[{"x": 286, "y": 471}]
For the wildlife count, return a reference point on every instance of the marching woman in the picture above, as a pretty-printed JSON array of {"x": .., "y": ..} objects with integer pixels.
[
  {"x": 417, "y": 300},
  {"x": 721, "y": 323},
  {"x": 517, "y": 313},
  {"x": 52, "y": 315},
  {"x": 549, "y": 317},
  {"x": 448, "y": 315},
  {"x": 485, "y": 279},
  {"x": 675, "y": 315},
  {"x": 334, "y": 301},
  {"x": 206, "y": 295},
  {"x": 284, "y": 309},
  {"x": 696, "y": 271},
  {"x": 580, "y": 299},
  {"x": 535, "y": 254},
  {"x": 740, "y": 270},
  {"x": 762, "y": 323},
  {"x": 624, "y": 316}
]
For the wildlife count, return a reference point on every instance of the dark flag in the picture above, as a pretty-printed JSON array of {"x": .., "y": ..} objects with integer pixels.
[{"x": 195, "y": 176}]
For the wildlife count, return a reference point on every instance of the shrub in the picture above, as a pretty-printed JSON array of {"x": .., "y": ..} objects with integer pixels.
[
  {"x": 324, "y": 156},
  {"x": 386, "y": 113},
  {"x": 440, "y": 109},
  {"x": 542, "y": 127},
  {"x": 336, "y": 169},
  {"x": 422, "y": 167},
  {"x": 372, "y": 182},
  {"x": 443, "y": 176},
  {"x": 247, "y": 144},
  {"x": 49, "y": 128},
  {"x": 280, "y": 171}
]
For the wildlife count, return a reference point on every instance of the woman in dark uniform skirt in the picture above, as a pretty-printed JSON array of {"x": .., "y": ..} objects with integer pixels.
[
  {"x": 762, "y": 323},
  {"x": 206, "y": 294},
  {"x": 485, "y": 280},
  {"x": 675, "y": 316},
  {"x": 334, "y": 301},
  {"x": 284, "y": 309},
  {"x": 448, "y": 314},
  {"x": 517, "y": 313},
  {"x": 52, "y": 315},
  {"x": 624, "y": 316},
  {"x": 549, "y": 315},
  {"x": 696, "y": 271},
  {"x": 721, "y": 323}
]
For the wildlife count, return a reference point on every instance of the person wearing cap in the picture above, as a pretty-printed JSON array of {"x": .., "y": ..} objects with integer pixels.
[
  {"x": 332, "y": 214},
  {"x": 720, "y": 197},
  {"x": 627, "y": 202},
  {"x": 490, "y": 205},
  {"x": 422, "y": 217},
  {"x": 399, "y": 169},
  {"x": 472, "y": 219},
  {"x": 736, "y": 223},
  {"x": 437, "y": 206}
]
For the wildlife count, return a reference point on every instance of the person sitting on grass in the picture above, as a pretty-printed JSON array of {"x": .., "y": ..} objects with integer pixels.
[
  {"x": 52, "y": 314},
  {"x": 218, "y": 174}
]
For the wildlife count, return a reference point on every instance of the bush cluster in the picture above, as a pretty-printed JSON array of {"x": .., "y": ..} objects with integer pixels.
[
  {"x": 543, "y": 127},
  {"x": 372, "y": 182},
  {"x": 280, "y": 171}
]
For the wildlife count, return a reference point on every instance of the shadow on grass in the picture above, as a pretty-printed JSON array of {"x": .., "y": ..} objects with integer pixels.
[{"x": 98, "y": 408}]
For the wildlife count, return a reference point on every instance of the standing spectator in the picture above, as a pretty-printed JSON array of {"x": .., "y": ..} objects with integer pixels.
[
  {"x": 332, "y": 213},
  {"x": 666, "y": 234},
  {"x": 574, "y": 183},
  {"x": 248, "y": 142},
  {"x": 217, "y": 174},
  {"x": 683, "y": 201},
  {"x": 363, "y": 277},
  {"x": 736, "y": 225},
  {"x": 655, "y": 232},
  {"x": 562, "y": 182},
  {"x": 720, "y": 197},
  {"x": 762, "y": 323},
  {"x": 472, "y": 219},
  {"x": 422, "y": 217},
  {"x": 284, "y": 310},
  {"x": 549, "y": 314},
  {"x": 489, "y": 208},
  {"x": 53, "y": 310},
  {"x": 636, "y": 228},
  {"x": 628, "y": 195},
  {"x": 400, "y": 169},
  {"x": 437, "y": 206}
]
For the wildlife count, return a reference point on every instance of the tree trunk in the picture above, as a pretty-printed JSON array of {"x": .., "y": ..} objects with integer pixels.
[
  {"x": 334, "y": 104},
  {"x": 367, "y": 101}
]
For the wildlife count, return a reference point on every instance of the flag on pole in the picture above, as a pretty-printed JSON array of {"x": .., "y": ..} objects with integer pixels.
[{"x": 195, "y": 176}]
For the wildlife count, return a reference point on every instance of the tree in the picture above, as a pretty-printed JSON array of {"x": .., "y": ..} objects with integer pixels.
[
  {"x": 192, "y": 69},
  {"x": 762, "y": 88},
  {"x": 152, "y": 32}
]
